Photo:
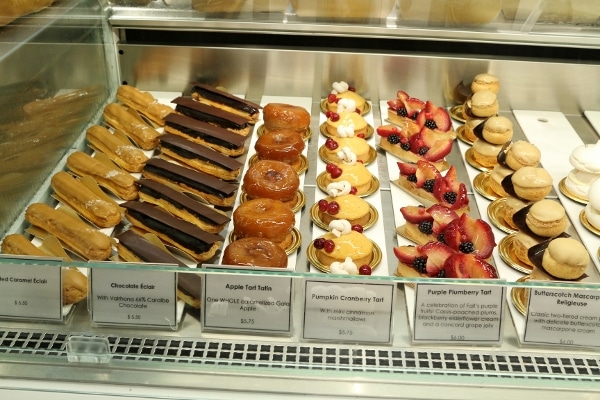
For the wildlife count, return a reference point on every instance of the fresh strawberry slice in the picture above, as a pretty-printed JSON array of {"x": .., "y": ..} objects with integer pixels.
[
  {"x": 462, "y": 198},
  {"x": 426, "y": 171},
  {"x": 479, "y": 232},
  {"x": 406, "y": 254},
  {"x": 387, "y": 130},
  {"x": 434, "y": 117},
  {"x": 462, "y": 265},
  {"x": 431, "y": 137},
  {"x": 395, "y": 104},
  {"x": 442, "y": 216},
  {"x": 470, "y": 235},
  {"x": 415, "y": 214},
  {"x": 417, "y": 143},
  {"x": 439, "y": 150},
  {"x": 412, "y": 105},
  {"x": 451, "y": 179},
  {"x": 437, "y": 253},
  {"x": 407, "y": 168}
]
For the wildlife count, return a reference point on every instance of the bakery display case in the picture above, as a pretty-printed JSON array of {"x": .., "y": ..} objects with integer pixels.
[{"x": 300, "y": 330}]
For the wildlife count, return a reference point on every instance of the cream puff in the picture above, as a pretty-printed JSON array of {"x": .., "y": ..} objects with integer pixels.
[
  {"x": 497, "y": 130},
  {"x": 485, "y": 153},
  {"x": 531, "y": 183},
  {"x": 546, "y": 218},
  {"x": 565, "y": 258},
  {"x": 485, "y": 81},
  {"x": 483, "y": 104},
  {"x": 520, "y": 154}
]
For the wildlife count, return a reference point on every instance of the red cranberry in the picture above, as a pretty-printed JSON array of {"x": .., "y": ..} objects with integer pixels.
[
  {"x": 365, "y": 270},
  {"x": 319, "y": 243},
  {"x": 333, "y": 208},
  {"x": 336, "y": 173},
  {"x": 352, "y": 88},
  {"x": 360, "y": 135},
  {"x": 353, "y": 190},
  {"x": 357, "y": 110},
  {"x": 323, "y": 205},
  {"x": 328, "y": 246},
  {"x": 330, "y": 167},
  {"x": 334, "y": 117},
  {"x": 357, "y": 227},
  {"x": 331, "y": 144},
  {"x": 331, "y": 98}
]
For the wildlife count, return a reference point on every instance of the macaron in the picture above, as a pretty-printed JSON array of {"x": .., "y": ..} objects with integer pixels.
[
  {"x": 565, "y": 258},
  {"x": 484, "y": 103},
  {"x": 521, "y": 154},
  {"x": 531, "y": 183},
  {"x": 497, "y": 130},
  {"x": 485, "y": 81},
  {"x": 547, "y": 218}
]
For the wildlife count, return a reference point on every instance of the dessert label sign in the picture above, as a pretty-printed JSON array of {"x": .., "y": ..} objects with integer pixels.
[
  {"x": 31, "y": 291},
  {"x": 563, "y": 317},
  {"x": 348, "y": 311},
  {"x": 249, "y": 303},
  {"x": 458, "y": 313},
  {"x": 133, "y": 297}
]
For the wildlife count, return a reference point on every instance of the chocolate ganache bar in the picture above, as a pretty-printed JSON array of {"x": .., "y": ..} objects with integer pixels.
[
  {"x": 216, "y": 191},
  {"x": 217, "y": 138},
  {"x": 213, "y": 115},
  {"x": 181, "y": 234},
  {"x": 132, "y": 247},
  {"x": 182, "y": 206},
  {"x": 199, "y": 157},
  {"x": 214, "y": 97}
]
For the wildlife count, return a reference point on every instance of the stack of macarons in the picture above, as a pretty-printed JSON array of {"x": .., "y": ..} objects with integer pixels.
[
  {"x": 495, "y": 132},
  {"x": 482, "y": 104},
  {"x": 512, "y": 157}
]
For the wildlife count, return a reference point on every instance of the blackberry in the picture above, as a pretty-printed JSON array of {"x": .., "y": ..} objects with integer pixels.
[
  {"x": 440, "y": 238},
  {"x": 430, "y": 124},
  {"x": 420, "y": 263},
  {"x": 423, "y": 150},
  {"x": 411, "y": 178},
  {"x": 405, "y": 146},
  {"x": 428, "y": 185},
  {"x": 466, "y": 247},
  {"x": 426, "y": 227},
  {"x": 441, "y": 273},
  {"x": 450, "y": 197},
  {"x": 402, "y": 112},
  {"x": 393, "y": 138}
]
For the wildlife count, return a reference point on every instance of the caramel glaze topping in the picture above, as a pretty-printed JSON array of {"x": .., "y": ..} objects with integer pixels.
[
  {"x": 179, "y": 200},
  {"x": 195, "y": 179},
  {"x": 202, "y": 112},
  {"x": 194, "y": 151},
  {"x": 183, "y": 232},
  {"x": 205, "y": 131},
  {"x": 149, "y": 253},
  {"x": 219, "y": 96}
]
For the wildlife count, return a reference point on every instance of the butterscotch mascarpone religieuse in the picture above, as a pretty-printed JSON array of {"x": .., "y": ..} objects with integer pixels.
[
  {"x": 485, "y": 81},
  {"x": 485, "y": 153},
  {"x": 586, "y": 169},
  {"x": 546, "y": 218},
  {"x": 531, "y": 183},
  {"x": 521, "y": 154},
  {"x": 484, "y": 104},
  {"x": 565, "y": 258},
  {"x": 497, "y": 130}
]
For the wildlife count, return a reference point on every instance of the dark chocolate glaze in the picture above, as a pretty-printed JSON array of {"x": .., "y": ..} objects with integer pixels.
[
  {"x": 218, "y": 96},
  {"x": 205, "y": 131},
  {"x": 179, "y": 200},
  {"x": 478, "y": 130},
  {"x": 202, "y": 112},
  {"x": 195, "y": 179},
  {"x": 183, "y": 232},
  {"x": 520, "y": 221},
  {"x": 502, "y": 154},
  {"x": 508, "y": 187},
  {"x": 193, "y": 151},
  {"x": 150, "y": 253}
]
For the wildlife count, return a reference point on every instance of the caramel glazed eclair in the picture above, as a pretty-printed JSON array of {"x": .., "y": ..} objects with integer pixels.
[
  {"x": 144, "y": 103},
  {"x": 89, "y": 205},
  {"x": 216, "y": 191},
  {"x": 117, "y": 181},
  {"x": 78, "y": 236},
  {"x": 217, "y": 138},
  {"x": 214, "y": 97},
  {"x": 182, "y": 206},
  {"x": 132, "y": 247},
  {"x": 181, "y": 234},
  {"x": 119, "y": 118},
  {"x": 124, "y": 154},
  {"x": 216, "y": 116},
  {"x": 199, "y": 157}
]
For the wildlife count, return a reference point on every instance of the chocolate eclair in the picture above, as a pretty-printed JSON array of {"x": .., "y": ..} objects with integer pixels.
[
  {"x": 199, "y": 157},
  {"x": 217, "y": 138},
  {"x": 215, "y": 191},
  {"x": 181, "y": 234},
  {"x": 213, "y": 115},
  {"x": 182, "y": 206},
  {"x": 132, "y": 247},
  {"x": 218, "y": 98}
]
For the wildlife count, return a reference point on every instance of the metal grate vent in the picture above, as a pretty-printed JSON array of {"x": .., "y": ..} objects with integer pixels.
[{"x": 317, "y": 357}]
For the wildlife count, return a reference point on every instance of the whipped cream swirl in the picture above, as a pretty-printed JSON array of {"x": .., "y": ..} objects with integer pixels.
[
  {"x": 341, "y": 188},
  {"x": 340, "y": 227},
  {"x": 347, "y": 267}
]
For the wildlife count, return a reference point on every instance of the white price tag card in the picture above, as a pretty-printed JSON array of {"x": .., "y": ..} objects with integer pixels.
[
  {"x": 563, "y": 317},
  {"x": 458, "y": 313},
  {"x": 249, "y": 303},
  {"x": 134, "y": 297},
  {"x": 348, "y": 311},
  {"x": 30, "y": 288}
]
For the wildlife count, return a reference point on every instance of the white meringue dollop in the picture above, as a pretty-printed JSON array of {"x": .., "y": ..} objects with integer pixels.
[
  {"x": 340, "y": 227},
  {"x": 340, "y": 188},
  {"x": 347, "y": 267}
]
